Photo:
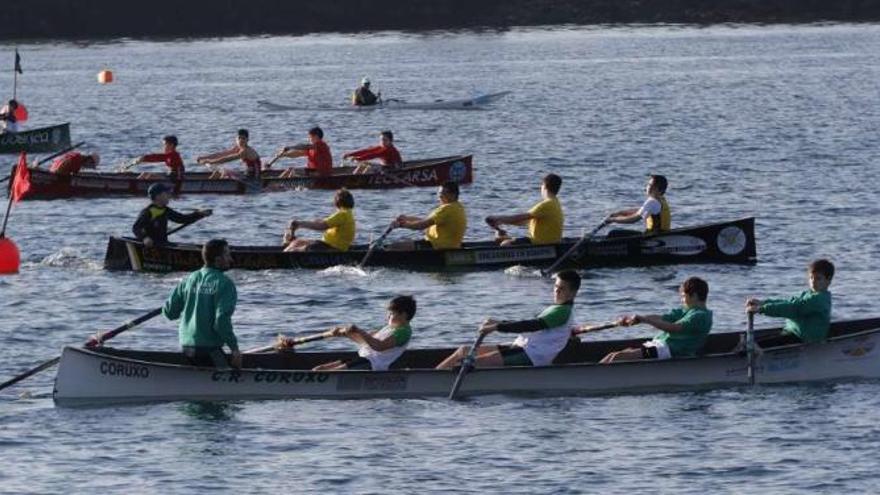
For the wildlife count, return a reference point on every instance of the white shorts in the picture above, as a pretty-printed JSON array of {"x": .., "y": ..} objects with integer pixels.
[{"x": 661, "y": 348}]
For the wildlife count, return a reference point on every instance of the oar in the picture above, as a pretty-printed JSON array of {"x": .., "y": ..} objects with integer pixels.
[
  {"x": 574, "y": 248},
  {"x": 500, "y": 234},
  {"x": 94, "y": 341},
  {"x": 273, "y": 160},
  {"x": 183, "y": 226},
  {"x": 595, "y": 328},
  {"x": 466, "y": 365},
  {"x": 50, "y": 157},
  {"x": 375, "y": 243},
  {"x": 289, "y": 343},
  {"x": 750, "y": 348}
]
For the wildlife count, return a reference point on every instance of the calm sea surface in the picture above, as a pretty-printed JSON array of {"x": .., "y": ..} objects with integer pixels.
[{"x": 780, "y": 123}]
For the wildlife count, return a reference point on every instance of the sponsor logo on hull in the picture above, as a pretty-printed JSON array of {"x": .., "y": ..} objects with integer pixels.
[
  {"x": 731, "y": 240},
  {"x": 500, "y": 255},
  {"x": 678, "y": 245}
]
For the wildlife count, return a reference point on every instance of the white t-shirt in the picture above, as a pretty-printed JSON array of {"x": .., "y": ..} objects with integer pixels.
[{"x": 650, "y": 207}]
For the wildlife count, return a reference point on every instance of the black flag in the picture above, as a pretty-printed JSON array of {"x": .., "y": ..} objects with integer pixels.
[{"x": 18, "y": 62}]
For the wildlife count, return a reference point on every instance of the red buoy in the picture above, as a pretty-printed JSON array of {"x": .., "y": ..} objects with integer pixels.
[{"x": 10, "y": 259}]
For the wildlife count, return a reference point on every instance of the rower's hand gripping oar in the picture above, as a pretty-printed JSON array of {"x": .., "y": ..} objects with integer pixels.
[
  {"x": 288, "y": 343},
  {"x": 574, "y": 248},
  {"x": 94, "y": 341},
  {"x": 466, "y": 365},
  {"x": 377, "y": 242}
]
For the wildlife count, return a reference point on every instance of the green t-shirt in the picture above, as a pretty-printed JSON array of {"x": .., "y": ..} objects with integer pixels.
[
  {"x": 696, "y": 323},
  {"x": 808, "y": 315},
  {"x": 204, "y": 301},
  {"x": 402, "y": 334}
]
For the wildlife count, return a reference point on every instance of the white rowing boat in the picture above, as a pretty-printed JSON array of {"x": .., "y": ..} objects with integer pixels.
[
  {"x": 474, "y": 103},
  {"x": 114, "y": 375}
]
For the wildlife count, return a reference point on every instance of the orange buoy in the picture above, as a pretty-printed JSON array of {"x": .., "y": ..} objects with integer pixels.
[
  {"x": 105, "y": 77},
  {"x": 10, "y": 259},
  {"x": 21, "y": 113}
]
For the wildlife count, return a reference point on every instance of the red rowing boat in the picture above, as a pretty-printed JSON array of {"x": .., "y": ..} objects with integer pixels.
[{"x": 416, "y": 173}]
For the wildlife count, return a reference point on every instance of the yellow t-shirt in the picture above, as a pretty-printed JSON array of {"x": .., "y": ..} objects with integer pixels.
[
  {"x": 546, "y": 225},
  {"x": 340, "y": 233},
  {"x": 450, "y": 223}
]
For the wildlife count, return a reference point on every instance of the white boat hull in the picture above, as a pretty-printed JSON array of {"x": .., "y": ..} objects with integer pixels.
[
  {"x": 474, "y": 103},
  {"x": 86, "y": 376}
]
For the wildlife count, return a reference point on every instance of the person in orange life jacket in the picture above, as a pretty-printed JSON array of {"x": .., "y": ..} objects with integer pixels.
[
  {"x": 169, "y": 156},
  {"x": 540, "y": 339},
  {"x": 385, "y": 152},
  {"x": 151, "y": 226},
  {"x": 317, "y": 153},
  {"x": 8, "y": 119},
  {"x": 654, "y": 211},
  {"x": 72, "y": 162},
  {"x": 241, "y": 151}
]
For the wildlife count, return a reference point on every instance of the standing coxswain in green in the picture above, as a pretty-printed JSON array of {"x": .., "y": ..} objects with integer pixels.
[
  {"x": 807, "y": 315},
  {"x": 205, "y": 301},
  {"x": 683, "y": 330}
]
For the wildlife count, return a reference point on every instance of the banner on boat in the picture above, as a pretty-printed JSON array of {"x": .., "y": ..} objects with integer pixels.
[{"x": 43, "y": 140}]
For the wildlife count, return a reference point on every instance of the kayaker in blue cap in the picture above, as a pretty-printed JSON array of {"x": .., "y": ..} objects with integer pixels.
[{"x": 151, "y": 226}]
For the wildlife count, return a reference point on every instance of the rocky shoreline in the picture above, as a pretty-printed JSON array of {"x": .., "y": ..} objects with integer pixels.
[{"x": 86, "y": 19}]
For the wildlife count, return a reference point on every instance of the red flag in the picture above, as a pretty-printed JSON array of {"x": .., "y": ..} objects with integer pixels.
[{"x": 21, "y": 183}]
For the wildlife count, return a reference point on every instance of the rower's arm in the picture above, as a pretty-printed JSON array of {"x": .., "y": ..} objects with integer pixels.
[
  {"x": 522, "y": 326},
  {"x": 313, "y": 225},
  {"x": 797, "y": 306},
  {"x": 228, "y": 157},
  {"x": 225, "y": 307},
  {"x": 659, "y": 323},
  {"x": 177, "y": 217},
  {"x": 415, "y": 223},
  {"x": 626, "y": 216},
  {"x": 515, "y": 219},
  {"x": 373, "y": 342},
  {"x": 140, "y": 225},
  {"x": 216, "y": 155},
  {"x": 174, "y": 304}
]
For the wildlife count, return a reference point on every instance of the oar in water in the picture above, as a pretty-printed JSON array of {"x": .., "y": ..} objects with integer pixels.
[
  {"x": 94, "y": 341},
  {"x": 466, "y": 365},
  {"x": 375, "y": 243},
  {"x": 750, "y": 348},
  {"x": 573, "y": 249},
  {"x": 50, "y": 157}
]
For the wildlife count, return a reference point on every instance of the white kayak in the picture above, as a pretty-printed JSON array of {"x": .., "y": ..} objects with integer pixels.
[{"x": 474, "y": 103}]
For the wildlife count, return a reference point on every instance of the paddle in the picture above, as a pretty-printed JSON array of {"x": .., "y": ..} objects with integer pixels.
[
  {"x": 595, "y": 328},
  {"x": 466, "y": 365},
  {"x": 50, "y": 157},
  {"x": 750, "y": 347},
  {"x": 574, "y": 248},
  {"x": 375, "y": 243},
  {"x": 94, "y": 341}
]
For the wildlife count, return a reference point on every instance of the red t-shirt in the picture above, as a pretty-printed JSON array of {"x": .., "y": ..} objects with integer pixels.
[
  {"x": 69, "y": 163},
  {"x": 172, "y": 161},
  {"x": 389, "y": 155},
  {"x": 319, "y": 158}
]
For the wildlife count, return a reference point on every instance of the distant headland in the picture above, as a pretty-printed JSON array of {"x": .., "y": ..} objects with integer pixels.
[{"x": 86, "y": 19}]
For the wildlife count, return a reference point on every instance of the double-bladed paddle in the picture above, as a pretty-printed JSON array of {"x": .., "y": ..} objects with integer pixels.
[
  {"x": 586, "y": 237},
  {"x": 375, "y": 243},
  {"x": 94, "y": 341}
]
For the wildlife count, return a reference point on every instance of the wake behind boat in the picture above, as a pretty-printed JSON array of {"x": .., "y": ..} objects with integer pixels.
[
  {"x": 727, "y": 242},
  {"x": 107, "y": 375},
  {"x": 475, "y": 103}
]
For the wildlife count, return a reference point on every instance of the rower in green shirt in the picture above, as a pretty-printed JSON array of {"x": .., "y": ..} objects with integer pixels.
[
  {"x": 807, "y": 315},
  {"x": 204, "y": 301},
  {"x": 683, "y": 330}
]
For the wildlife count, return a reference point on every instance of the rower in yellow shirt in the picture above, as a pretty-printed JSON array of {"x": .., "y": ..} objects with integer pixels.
[
  {"x": 545, "y": 219},
  {"x": 444, "y": 227},
  {"x": 339, "y": 228}
]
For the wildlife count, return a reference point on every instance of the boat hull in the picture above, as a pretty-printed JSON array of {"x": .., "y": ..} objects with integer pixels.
[
  {"x": 417, "y": 173},
  {"x": 112, "y": 375},
  {"x": 475, "y": 103},
  {"x": 42, "y": 140},
  {"x": 727, "y": 242}
]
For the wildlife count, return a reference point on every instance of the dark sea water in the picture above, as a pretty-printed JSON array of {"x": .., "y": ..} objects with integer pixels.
[{"x": 779, "y": 123}]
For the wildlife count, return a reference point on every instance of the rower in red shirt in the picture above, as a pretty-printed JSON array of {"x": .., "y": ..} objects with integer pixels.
[
  {"x": 317, "y": 153},
  {"x": 385, "y": 152},
  {"x": 241, "y": 151},
  {"x": 169, "y": 156},
  {"x": 72, "y": 162}
]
